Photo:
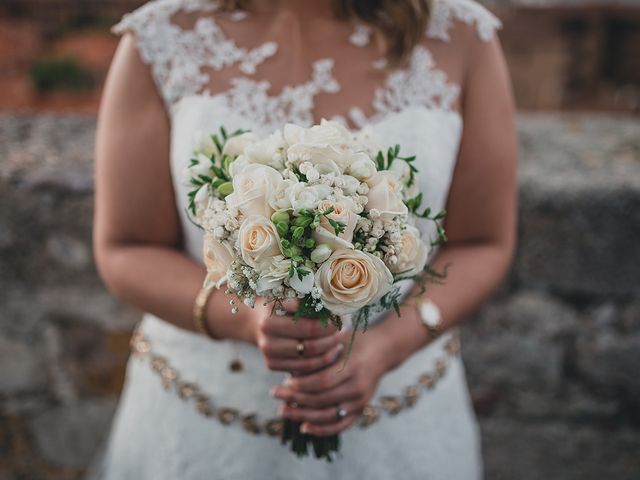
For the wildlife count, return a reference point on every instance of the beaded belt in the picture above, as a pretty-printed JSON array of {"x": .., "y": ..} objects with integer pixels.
[{"x": 191, "y": 392}]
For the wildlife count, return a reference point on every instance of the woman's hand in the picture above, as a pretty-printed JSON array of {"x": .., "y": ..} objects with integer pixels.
[
  {"x": 278, "y": 338},
  {"x": 320, "y": 395}
]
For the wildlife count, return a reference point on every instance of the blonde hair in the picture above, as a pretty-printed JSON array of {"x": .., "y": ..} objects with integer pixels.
[{"x": 399, "y": 24}]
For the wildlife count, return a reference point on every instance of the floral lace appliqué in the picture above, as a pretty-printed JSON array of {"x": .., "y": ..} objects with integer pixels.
[
  {"x": 467, "y": 11},
  {"x": 421, "y": 84},
  {"x": 178, "y": 56},
  {"x": 250, "y": 98}
]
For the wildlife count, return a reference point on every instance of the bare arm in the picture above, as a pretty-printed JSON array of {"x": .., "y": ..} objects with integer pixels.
[
  {"x": 136, "y": 227},
  {"x": 481, "y": 208}
]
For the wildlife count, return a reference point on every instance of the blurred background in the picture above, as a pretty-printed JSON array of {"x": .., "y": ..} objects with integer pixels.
[{"x": 552, "y": 358}]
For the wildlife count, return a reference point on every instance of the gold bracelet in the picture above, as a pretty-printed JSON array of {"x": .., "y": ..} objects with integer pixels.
[{"x": 200, "y": 310}]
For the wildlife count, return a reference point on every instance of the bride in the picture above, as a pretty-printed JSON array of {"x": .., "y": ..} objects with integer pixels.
[{"x": 428, "y": 75}]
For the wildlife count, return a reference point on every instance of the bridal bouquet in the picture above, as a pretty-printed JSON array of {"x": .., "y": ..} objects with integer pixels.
[{"x": 321, "y": 214}]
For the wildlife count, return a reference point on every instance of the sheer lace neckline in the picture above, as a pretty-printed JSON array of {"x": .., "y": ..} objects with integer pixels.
[{"x": 183, "y": 59}]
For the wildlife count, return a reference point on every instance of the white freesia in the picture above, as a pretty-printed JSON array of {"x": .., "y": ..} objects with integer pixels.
[
  {"x": 344, "y": 212},
  {"x": 204, "y": 144},
  {"x": 321, "y": 253},
  {"x": 302, "y": 285},
  {"x": 267, "y": 151},
  {"x": 412, "y": 258},
  {"x": 217, "y": 258},
  {"x": 274, "y": 275},
  {"x": 303, "y": 196},
  {"x": 251, "y": 188},
  {"x": 384, "y": 196},
  {"x": 361, "y": 167},
  {"x": 237, "y": 144},
  {"x": 201, "y": 200},
  {"x": 401, "y": 170},
  {"x": 352, "y": 279},
  {"x": 258, "y": 242}
]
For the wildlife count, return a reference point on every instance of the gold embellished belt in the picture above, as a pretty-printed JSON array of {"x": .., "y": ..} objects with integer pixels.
[{"x": 191, "y": 392}]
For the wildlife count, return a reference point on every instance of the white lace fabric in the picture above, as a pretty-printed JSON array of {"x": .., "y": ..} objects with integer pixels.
[{"x": 192, "y": 60}]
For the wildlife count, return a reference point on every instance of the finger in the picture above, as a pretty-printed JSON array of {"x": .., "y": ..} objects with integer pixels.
[
  {"x": 287, "y": 327},
  {"x": 344, "y": 392},
  {"x": 291, "y": 305},
  {"x": 319, "y": 381},
  {"x": 304, "y": 364},
  {"x": 288, "y": 348},
  {"x": 328, "y": 429},
  {"x": 327, "y": 415}
]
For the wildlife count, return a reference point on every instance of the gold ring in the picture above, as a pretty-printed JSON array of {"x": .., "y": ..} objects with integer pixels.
[{"x": 300, "y": 348}]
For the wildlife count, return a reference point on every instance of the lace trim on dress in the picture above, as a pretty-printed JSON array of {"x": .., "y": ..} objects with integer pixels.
[
  {"x": 249, "y": 98},
  {"x": 188, "y": 391},
  {"x": 177, "y": 56},
  {"x": 467, "y": 11},
  {"x": 421, "y": 84}
]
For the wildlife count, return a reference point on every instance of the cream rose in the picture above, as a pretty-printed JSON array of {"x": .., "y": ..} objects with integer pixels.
[
  {"x": 259, "y": 242},
  {"x": 237, "y": 144},
  {"x": 352, "y": 279},
  {"x": 413, "y": 256},
  {"x": 251, "y": 189},
  {"x": 344, "y": 212},
  {"x": 384, "y": 195},
  {"x": 325, "y": 158},
  {"x": 217, "y": 258},
  {"x": 328, "y": 132},
  {"x": 367, "y": 141}
]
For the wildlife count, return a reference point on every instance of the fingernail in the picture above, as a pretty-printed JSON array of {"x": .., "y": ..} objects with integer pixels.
[
  {"x": 273, "y": 391},
  {"x": 304, "y": 428},
  {"x": 288, "y": 382}
]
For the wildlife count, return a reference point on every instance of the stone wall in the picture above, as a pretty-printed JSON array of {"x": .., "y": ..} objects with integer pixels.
[{"x": 551, "y": 358}]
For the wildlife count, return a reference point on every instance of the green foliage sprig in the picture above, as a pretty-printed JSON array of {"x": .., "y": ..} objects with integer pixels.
[{"x": 384, "y": 162}]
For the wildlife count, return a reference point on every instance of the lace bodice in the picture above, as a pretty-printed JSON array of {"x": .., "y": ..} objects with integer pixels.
[{"x": 188, "y": 51}]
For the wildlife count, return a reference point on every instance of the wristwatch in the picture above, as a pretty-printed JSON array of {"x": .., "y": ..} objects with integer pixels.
[{"x": 430, "y": 316}]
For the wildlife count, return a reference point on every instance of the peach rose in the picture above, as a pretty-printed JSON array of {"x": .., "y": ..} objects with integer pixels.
[
  {"x": 384, "y": 195},
  {"x": 352, "y": 279},
  {"x": 217, "y": 258},
  {"x": 343, "y": 211},
  {"x": 259, "y": 242},
  {"x": 413, "y": 256}
]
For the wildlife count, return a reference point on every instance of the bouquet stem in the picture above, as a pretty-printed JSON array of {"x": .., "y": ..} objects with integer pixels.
[{"x": 323, "y": 447}]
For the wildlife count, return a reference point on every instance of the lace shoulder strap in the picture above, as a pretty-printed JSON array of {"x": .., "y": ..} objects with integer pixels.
[
  {"x": 176, "y": 55},
  {"x": 445, "y": 12}
]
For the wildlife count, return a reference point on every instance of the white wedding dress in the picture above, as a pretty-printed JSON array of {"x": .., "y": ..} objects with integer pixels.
[{"x": 184, "y": 413}]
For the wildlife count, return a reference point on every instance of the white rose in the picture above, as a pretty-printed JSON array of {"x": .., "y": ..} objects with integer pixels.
[
  {"x": 384, "y": 195},
  {"x": 303, "y": 196},
  {"x": 325, "y": 158},
  {"x": 238, "y": 165},
  {"x": 413, "y": 256},
  {"x": 274, "y": 276},
  {"x": 343, "y": 211},
  {"x": 327, "y": 133},
  {"x": 237, "y": 144},
  {"x": 259, "y": 242},
  {"x": 217, "y": 258},
  {"x": 279, "y": 198},
  {"x": 361, "y": 167},
  {"x": 204, "y": 144},
  {"x": 267, "y": 151},
  {"x": 352, "y": 279},
  {"x": 251, "y": 189}
]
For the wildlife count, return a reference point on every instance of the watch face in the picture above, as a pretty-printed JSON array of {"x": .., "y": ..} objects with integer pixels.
[{"x": 430, "y": 314}]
